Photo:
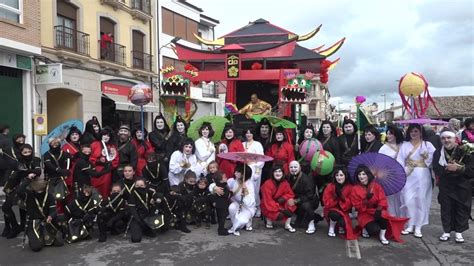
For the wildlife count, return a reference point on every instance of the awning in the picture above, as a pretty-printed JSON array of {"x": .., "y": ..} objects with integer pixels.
[{"x": 121, "y": 104}]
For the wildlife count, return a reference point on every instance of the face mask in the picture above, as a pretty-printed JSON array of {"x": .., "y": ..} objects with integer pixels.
[
  {"x": 140, "y": 190},
  {"x": 114, "y": 195},
  {"x": 28, "y": 158}
]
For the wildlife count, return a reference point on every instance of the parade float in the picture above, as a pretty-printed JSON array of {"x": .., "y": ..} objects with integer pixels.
[{"x": 264, "y": 59}]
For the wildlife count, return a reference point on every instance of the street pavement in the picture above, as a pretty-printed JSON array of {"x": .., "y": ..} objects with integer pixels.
[{"x": 260, "y": 247}]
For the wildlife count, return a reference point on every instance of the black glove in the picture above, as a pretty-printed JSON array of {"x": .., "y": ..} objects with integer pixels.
[
  {"x": 63, "y": 172},
  {"x": 107, "y": 166},
  {"x": 369, "y": 195},
  {"x": 378, "y": 214},
  {"x": 281, "y": 200},
  {"x": 286, "y": 213}
]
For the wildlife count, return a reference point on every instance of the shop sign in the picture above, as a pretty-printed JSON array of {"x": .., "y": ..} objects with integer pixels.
[
  {"x": 49, "y": 74},
  {"x": 232, "y": 66},
  {"x": 15, "y": 61},
  {"x": 40, "y": 125},
  {"x": 110, "y": 88}
]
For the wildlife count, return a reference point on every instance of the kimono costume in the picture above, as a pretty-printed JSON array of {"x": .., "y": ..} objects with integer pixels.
[
  {"x": 177, "y": 171},
  {"x": 103, "y": 183},
  {"x": 307, "y": 200},
  {"x": 373, "y": 146},
  {"x": 39, "y": 206},
  {"x": 282, "y": 153},
  {"x": 257, "y": 167},
  {"x": 55, "y": 169},
  {"x": 348, "y": 148},
  {"x": 127, "y": 155},
  {"x": 114, "y": 215},
  {"x": 159, "y": 142},
  {"x": 415, "y": 196},
  {"x": 80, "y": 214},
  {"x": 275, "y": 196},
  {"x": 341, "y": 205},
  {"x": 72, "y": 149},
  {"x": 455, "y": 195},
  {"x": 227, "y": 166},
  {"x": 186, "y": 194},
  {"x": 144, "y": 217},
  {"x": 142, "y": 148},
  {"x": 83, "y": 172},
  {"x": 366, "y": 209},
  {"x": 201, "y": 208},
  {"x": 394, "y": 203},
  {"x": 205, "y": 153},
  {"x": 242, "y": 208},
  {"x": 156, "y": 175}
]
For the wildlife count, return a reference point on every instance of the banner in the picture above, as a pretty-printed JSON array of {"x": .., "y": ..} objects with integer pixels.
[
  {"x": 41, "y": 125},
  {"x": 49, "y": 74}
]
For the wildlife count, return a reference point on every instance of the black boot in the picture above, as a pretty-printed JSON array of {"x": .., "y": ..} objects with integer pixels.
[
  {"x": 182, "y": 226},
  {"x": 6, "y": 229},
  {"x": 102, "y": 236},
  {"x": 15, "y": 230}
]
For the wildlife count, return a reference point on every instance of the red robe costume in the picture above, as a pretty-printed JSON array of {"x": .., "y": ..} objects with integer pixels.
[
  {"x": 104, "y": 182},
  {"x": 283, "y": 154},
  {"x": 72, "y": 150},
  {"x": 142, "y": 150},
  {"x": 366, "y": 209},
  {"x": 341, "y": 205},
  {"x": 271, "y": 192},
  {"x": 227, "y": 166}
]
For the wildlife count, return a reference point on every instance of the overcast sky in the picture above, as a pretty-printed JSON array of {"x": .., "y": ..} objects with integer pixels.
[{"x": 385, "y": 40}]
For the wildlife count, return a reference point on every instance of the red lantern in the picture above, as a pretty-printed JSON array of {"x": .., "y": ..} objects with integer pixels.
[{"x": 256, "y": 66}]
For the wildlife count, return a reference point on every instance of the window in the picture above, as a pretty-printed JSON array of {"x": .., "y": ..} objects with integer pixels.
[
  {"x": 11, "y": 10},
  {"x": 177, "y": 25},
  {"x": 178, "y": 65}
]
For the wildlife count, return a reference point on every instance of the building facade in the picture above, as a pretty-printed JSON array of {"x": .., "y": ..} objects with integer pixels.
[
  {"x": 105, "y": 48},
  {"x": 19, "y": 42},
  {"x": 182, "y": 19},
  {"x": 317, "y": 109}
]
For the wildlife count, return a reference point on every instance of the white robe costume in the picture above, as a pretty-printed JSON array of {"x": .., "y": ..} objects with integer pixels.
[
  {"x": 415, "y": 196},
  {"x": 394, "y": 203},
  {"x": 241, "y": 211},
  {"x": 255, "y": 147},
  {"x": 176, "y": 172},
  {"x": 205, "y": 153}
]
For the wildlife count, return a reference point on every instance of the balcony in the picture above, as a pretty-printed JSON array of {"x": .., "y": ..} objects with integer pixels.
[
  {"x": 113, "y": 3},
  {"x": 112, "y": 52},
  {"x": 139, "y": 9},
  {"x": 143, "y": 61},
  {"x": 142, "y": 6},
  {"x": 74, "y": 43}
]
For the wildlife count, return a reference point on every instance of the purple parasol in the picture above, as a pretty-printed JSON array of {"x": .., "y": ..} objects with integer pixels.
[
  {"x": 387, "y": 171},
  {"x": 421, "y": 121}
]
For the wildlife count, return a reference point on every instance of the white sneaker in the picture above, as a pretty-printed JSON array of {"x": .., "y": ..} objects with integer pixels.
[
  {"x": 332, "y": 224},
  {"x": 311, "y": 228},
  {"x": 365, "y": 234},
  {"x": 269, "y": 224},
  {"x": 445, "y": 237},
  {"x": 418, "y": 233},
  {"x": 458, "y": 238},
  {"x": 289, "y": 227},
  {"x": 407, "y": 231},
  {"x": 236, "y": 233},
  {"x": 382, "y": 238}
]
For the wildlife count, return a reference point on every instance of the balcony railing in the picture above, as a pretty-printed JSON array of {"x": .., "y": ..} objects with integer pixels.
[
  {"x": 71, "y": 39},
  {"x": 112, "y": 52},
  {"x": 141, "y": 60},
  {"x": 142, "y": 5}
]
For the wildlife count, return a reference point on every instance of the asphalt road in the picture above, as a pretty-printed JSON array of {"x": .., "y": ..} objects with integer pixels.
[{"x": 260, "y": 247}]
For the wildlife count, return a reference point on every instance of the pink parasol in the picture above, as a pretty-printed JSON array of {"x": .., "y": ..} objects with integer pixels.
[
  {"x": 245, "y": 157},
  {"x": 421, "y": 121}
]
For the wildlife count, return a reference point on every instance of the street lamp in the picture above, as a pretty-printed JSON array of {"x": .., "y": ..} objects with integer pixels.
[{"x": 174, "y": 40}]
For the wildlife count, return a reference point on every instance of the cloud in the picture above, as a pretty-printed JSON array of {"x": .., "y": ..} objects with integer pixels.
[{"x": 385, "y": 40}]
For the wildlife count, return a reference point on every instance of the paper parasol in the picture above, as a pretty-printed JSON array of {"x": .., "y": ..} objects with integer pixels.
[
  {"x": 245, "y": 157},
  {"x": 61, "y": 132},
  {"x": 275, "y": 121},
  {"x": 387, "y": 171},
  {"x": 217, "y": 124}
]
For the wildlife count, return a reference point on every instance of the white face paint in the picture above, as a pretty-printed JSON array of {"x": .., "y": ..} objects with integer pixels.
[
  {"x": 75, "y": 137},
  {"x": 279, "y": 136},
  {"x": 139, "y": 134},
  {"x": 340, "y": 177},
  {"x": 180, "y": 127},
  {"x": 308, "y": 133},
  {"x": 327, "y": 130},
  {"x": 278, "y": 174},
  {"x": 160, "y": 124},
  {"x": 348, "y": 129},
  {"x": 105, "y": 138},
  {"x": 294, "y": 168},
  {"x": 96, "y": 128}
]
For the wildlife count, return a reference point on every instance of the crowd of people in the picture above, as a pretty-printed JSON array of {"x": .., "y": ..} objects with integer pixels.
[{"x": 139, "y": 183}]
